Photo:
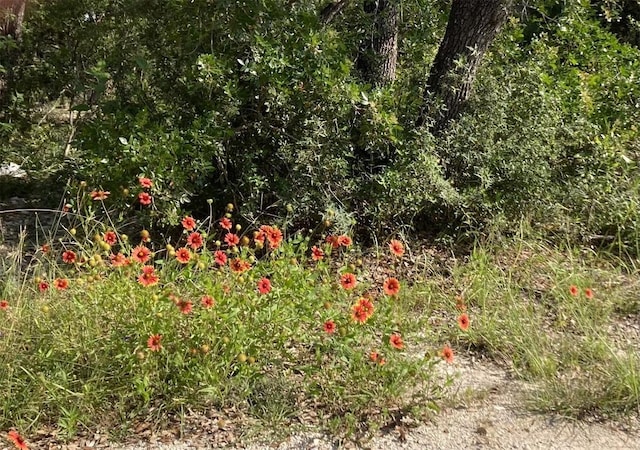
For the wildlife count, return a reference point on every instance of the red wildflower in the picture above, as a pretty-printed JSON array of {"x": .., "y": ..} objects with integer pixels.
[
  {"x": 46, "y": 248},
  {"x": 463, "y": 322},
  {"x": 226, "y": 223},
  {"x": 4, "y": 305},
  {"x": 362, "y": 310},
  {"x": 207, "y": 301},
  {"x": 188, "y": 223},
  {"x": 344, "y": 240},
  {"x": 396, "y": 341},
  {"x": 183, "y": 255},
  {"x": 573, "y": 290},
  {"x": 274, "y": 236},
  {"x": 61, "y": 284},
  {"x": 145, "y": 182},
  {"x": 148, "y": 277},
  {"x": 185, "y": 306},
  {"x": 359, "y": 314},
  {"x": 239, "y": 265},
  {"x": 110, "y": 237},
  {"x": 220, "y": 257},
  {"x": 447, "y": 354},
  {"x": 264, "y": 286},
  {"x": 145, "y": 198},
  {"x": 316, "y": 253},
  {"x": 333, "y": 240},
  {"x": 348, "y": 281},
  {"x": 391, "y": 286},
  {"x": 231, "y": 239},
  {"x": 140, "y": 254},
  {"x": 17, "y": 440},
  {"x": 329, "y": 326},
  {"x": 195, "y": 240},
  {"x": 99, "y": 195},
  {"x": 119, "y": 260},
  {"x": 588, "y": 293},
  {"x": 374, "y": 356},
  {"x": 69, "y": 257},
  {"x": 259, "y": 237},
  {"x": 396, "y": 247},
  {"x": 154, "y": 342},
  {"x": 43, "y": 286}
]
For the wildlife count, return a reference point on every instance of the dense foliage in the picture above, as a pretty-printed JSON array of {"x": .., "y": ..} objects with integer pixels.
[{"x": 261, "y": 103}]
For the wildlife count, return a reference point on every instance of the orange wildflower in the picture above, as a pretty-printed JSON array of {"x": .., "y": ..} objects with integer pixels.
[
  {"x": 207, "y": 301},
  {"x": 447, "y": 354},
  {"x": 183, "y": 255},
  {"x": 188, "y": 223},
  {"x": 148, "y": 277},
  {"x": 4, "y": 305},
  {"x": 43, "y": 286},
  {"x": 145, "y": 198},
  {"x": 154, "y": 343},
  {"x": 185, "y": 306},
  {"x": 333, "y": 240},
  {"x": 239, "y": 265},
  {"x": 264, "y": 286},
  {"x": 110, "y": 237},
  {"x": 220, "y": 257},
  {"x": 226, "y": 224},
  {"x": 99, "y": 195},
  {"x": 316, "y": 253},
  {"x": 391, "y": 286},
  {"x": 195, "y": 240},
  {"x": 273, "y": 235},
  {"x": 463, "y": 321},
  {"x": 17, "y": 440},
  {"x": 61, "y": 284},
  {"x": 396, "y": 247},
  {"x": 69, "y": 257},
  {"x": 344, "y": 240},
  {"x": 46, "y": 248},
  {"x": 145, "y": 182},
  {"x": 362, "y": 310},
  {"x": 329, "y": 327},
  {"x": 140, "y": 254},
  {"x": 573, "y": 290},
  {"x": 588, "y": 293},
  {"x": 119, "y": 260},
  {"x": 396, "y": 341},
  {"x": 348, "y": 281},
  {"x": 231, "y": 239}
]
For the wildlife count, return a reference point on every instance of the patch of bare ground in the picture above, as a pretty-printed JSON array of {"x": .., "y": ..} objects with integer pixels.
[{"x": 486, "y": 410}]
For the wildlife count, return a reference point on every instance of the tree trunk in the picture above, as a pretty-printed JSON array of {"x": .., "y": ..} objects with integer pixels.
[
  {"x": 11, "y": 16},
  {"x": 377, "y": 61},
  {"x": 472, "y": 26}
]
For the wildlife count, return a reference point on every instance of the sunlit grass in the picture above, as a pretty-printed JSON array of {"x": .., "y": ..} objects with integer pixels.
[{"x": 274, "y": 324}]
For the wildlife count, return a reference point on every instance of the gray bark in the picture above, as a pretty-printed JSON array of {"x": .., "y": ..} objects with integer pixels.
[
  {"x": 472, "y": 27},
  {"x": 377, "y": 61},
  {"x": 11, "y": 17}
]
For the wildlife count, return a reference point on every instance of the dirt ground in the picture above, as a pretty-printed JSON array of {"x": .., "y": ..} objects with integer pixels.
[{"x": 486, "y": 412}]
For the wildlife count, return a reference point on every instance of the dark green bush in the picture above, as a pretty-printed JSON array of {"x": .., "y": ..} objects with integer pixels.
[{"x": 260, "y": 104}]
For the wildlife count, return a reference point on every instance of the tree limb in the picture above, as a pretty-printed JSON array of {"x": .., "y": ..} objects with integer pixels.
[{"x": 331, "y": 10}]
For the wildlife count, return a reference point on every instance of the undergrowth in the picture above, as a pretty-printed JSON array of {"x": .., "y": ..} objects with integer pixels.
[{"x": 102, "y": 329}]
